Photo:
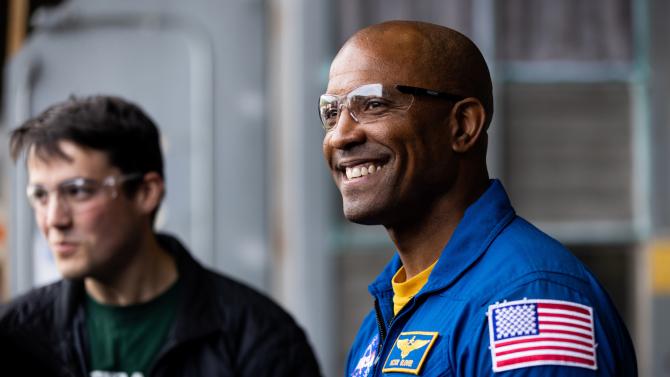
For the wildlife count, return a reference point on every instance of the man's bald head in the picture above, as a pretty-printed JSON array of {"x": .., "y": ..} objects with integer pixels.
[{"x": 419, "y": 54}]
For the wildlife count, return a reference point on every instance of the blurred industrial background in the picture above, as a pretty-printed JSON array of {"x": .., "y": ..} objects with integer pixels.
[{"x": 581, "y": 137}]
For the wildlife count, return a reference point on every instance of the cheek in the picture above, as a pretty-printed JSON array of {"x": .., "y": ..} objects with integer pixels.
[
  {"x": 326, "y": 149},
  {"x": 41, "y": 221},
  {"x": 97, "y": 222},
  {"x": 421, "y": 162},
  {"x": 430, "y": 148}
]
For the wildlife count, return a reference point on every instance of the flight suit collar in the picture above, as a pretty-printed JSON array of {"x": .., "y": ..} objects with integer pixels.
[{"x": 482, "y": 222}]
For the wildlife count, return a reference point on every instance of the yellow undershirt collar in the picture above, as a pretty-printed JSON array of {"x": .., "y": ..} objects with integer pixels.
[{"x": 404, "y": 290}]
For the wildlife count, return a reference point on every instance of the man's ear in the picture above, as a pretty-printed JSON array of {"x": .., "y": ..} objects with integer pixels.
[
  {"x": 467, "y": 124},
  {"x": 150, "y": 193}
]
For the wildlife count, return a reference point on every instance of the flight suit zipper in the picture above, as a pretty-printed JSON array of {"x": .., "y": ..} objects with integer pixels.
[
  {"x": 382, "y": 328},
  {"x": 382, "y": 335}
]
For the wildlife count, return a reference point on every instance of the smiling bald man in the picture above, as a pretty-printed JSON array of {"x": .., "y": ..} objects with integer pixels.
[{"x": 473, "y": 289}]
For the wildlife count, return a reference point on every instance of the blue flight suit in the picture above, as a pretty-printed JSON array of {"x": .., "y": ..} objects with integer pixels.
[{"x": 493, "y": 259}]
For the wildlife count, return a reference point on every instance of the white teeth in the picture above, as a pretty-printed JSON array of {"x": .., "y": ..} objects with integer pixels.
[{"x": 360, "y": 171}]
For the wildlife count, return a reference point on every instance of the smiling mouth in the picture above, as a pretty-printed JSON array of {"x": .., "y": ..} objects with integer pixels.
[{"x": 353, "y": 172}]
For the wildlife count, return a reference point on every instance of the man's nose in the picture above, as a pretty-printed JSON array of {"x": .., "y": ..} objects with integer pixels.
[
  {"x": 347, "y": 132},
  {"x": 58, "y": 213}
]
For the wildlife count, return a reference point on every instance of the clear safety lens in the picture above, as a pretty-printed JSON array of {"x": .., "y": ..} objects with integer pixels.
[{"x": 365, "y": 104}]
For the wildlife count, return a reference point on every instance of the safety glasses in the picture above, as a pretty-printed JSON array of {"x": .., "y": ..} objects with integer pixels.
[
  {"x": 371, "y": 102},
  {"x": 78, "y": 194}
]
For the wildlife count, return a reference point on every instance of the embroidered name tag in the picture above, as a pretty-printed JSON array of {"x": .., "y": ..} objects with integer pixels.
[
  {"x": 409, "y": 352},
  {"x": 526, "y": 333}
]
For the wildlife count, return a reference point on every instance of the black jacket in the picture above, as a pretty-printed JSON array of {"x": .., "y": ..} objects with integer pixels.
[{"x": 223, "y": 328}]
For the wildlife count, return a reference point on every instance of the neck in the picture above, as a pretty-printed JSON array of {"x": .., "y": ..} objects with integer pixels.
[
  {"x": 421, "y": 238},
  {"x": 150, "y": 272}
]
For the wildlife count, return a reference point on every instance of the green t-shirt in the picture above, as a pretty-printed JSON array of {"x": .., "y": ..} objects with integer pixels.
[{"x": 125, "y": 340}]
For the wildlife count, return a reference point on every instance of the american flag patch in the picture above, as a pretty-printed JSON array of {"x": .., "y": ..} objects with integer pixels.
[{"x": 541, "y": 332}]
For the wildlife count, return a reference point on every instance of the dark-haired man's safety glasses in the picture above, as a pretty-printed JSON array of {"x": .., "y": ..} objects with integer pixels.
[
  {"x": 78, "y": 194},
  {"x": 370, "y": 102}
]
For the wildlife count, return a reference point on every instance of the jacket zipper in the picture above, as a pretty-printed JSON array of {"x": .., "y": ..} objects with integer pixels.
[
  {"x": 382, "y": 336},
  {"x": 80, "y": 343},
  {"x": 382, "y": 327},
  {"x": 380, "y": 323}
]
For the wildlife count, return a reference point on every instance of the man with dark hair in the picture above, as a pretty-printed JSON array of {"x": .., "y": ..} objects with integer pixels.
[
  {"x": 132, "y": 302},
  {"x": 473, "y": 290}
]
